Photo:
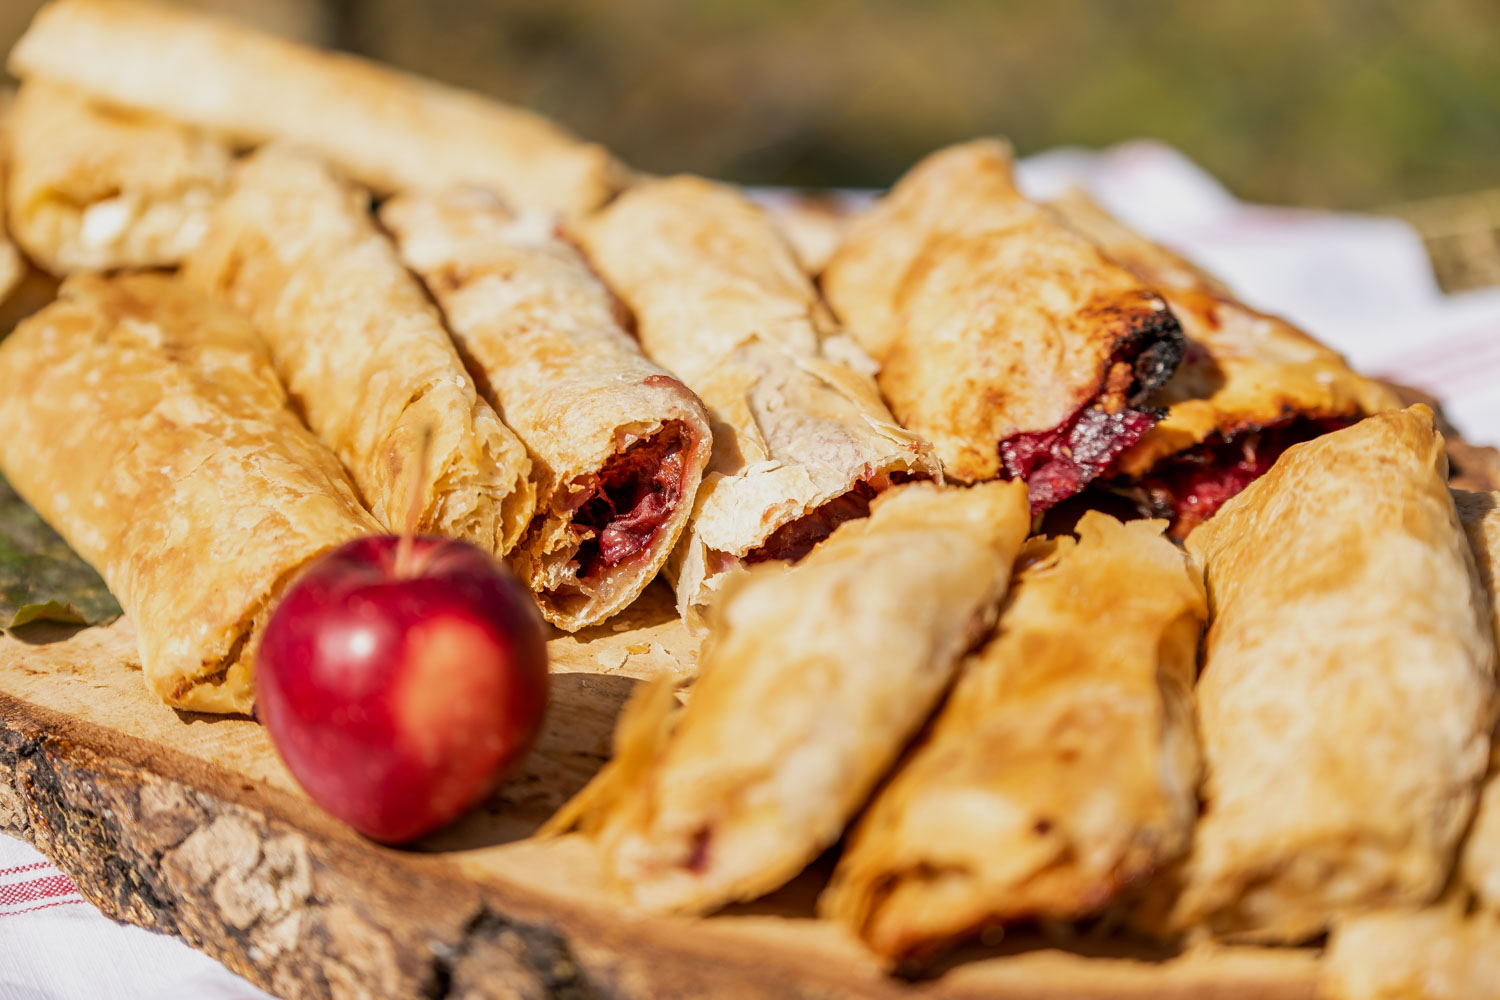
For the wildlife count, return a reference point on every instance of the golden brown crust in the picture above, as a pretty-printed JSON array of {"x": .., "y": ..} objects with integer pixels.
[
  {"x": 92, "y": 189},
  {"x": 812, "y": 680},
  {"x": 148, "y": 427},
  {"x": 385, "y": 128},
  {"x": 1479, "y": 862},
  {"x": 988, "y": 317},
  {"x": 543, "y": 335},
  {"x": 1345, "y": 701},
  {"x": 1062, "y": 768},
  {"x": 1243, "y": 370},
  {"x": 1437, "y": 953},
  {"x": 363, "y": 352},
  {"x": 12, "y": 267},
  {"x": 721, "y": 302}
]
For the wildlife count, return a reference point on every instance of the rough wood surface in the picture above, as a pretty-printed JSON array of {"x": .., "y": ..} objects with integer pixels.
[{"x": 189, "y": 825}]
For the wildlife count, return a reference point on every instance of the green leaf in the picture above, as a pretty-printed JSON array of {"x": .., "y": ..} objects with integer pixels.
[
  {"x": 40, "y": 577},
  {"x": 52, "y": 611}
]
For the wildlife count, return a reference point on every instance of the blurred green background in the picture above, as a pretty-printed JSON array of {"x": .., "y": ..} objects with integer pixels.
[{"x": 1344, "y": 103}]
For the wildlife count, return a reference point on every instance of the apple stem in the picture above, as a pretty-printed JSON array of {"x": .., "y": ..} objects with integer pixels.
[{"x": 405, "y": 567}]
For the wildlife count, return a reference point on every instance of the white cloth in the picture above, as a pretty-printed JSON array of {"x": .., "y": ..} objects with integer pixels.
[
  {"x": 55, "y": 946},
  {"x": 1359, "y": 283}
]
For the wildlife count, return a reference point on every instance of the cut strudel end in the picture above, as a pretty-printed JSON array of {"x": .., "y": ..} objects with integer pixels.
[
  {"x": 618, "y": 446},
  {"x": 1004, "y": 337},
  {"x": 802, "y": 441},
  {"x": 1249, "y": 386}
]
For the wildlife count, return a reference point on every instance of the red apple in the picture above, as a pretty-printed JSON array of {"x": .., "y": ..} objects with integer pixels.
[{"x": 401, "y": 687}]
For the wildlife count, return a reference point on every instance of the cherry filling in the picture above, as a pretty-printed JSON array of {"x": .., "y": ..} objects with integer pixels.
[
  {"x": 632, "y": 496},
  {"x": 1191, "y": 486},
  {"x": 1057, "y": 463},
  {"x": 796, "y": 539}
]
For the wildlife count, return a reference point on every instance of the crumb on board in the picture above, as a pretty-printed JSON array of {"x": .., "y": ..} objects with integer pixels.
[{"x": 611, "y": 659}]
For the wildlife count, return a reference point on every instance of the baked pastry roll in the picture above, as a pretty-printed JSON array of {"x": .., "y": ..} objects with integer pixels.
[
  {"x": 1003, "y": 337},
  {"x": 1345, "y": 700},
  {"x": 386, "y": 129},
  {"x": 1249, "y": 386},
  {"x": 1061, "y": 770},
  {"x": 12, "y": 267},
  {"x": 618, "y": 446},
  {"x": 1437, "y": 953},
  {"x": 147, "y": 425},
  {"x": 1479, "y": 863},
  {"x": 1479, "y": 513},
  {"x": 363, "y": 351},
  {"x": 93, "y": 189},
  {"x": 1451, "y": 949},
  {"x": 812, "y": 681},
  {"x": 801, "y": 440}
]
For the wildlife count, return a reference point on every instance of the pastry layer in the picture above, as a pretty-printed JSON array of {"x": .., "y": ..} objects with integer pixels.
[
  {"x": 385, "y": 128},
  {"x": 812, "y": 680},
  {"x": 1345, "y": 703},
  {"x": 147, "y": 425},
  {"x": 1061, "y": 770},
  {"x": 97, "y": 189},
  {"x": 618, "y": 445},
  {"x": 801, "y": 439},
  {"x": 363, "y": 351},
  {"x": 1004, "y": 337}
]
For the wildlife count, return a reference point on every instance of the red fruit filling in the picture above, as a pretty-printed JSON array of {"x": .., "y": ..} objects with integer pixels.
[
  {"x": 1059, "y": 462},
  {"x": 796, "y": 539},
  {"x": 1191, "y": 486},
  {"x": 632, "y": 496}
]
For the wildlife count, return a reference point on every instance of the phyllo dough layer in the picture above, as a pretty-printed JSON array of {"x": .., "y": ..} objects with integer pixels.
[
  {"x": 1345, "y": 703},
  {"x": 363, "y": 351},
  {"x": 1063, "y": 767},
  {"x": 96, "y": 189},
  {"x": 1479, "y": 864},
  {"x": 1437, "y": 953},
  {"x": 618, "y": 446},
  {"x": 147, "y": 425},
  {"x": 1249, "y": 386},
  {"x": 12, "y": 267},
  {"x": 385, "y": 128},
  {"x": 802, "y": 441},
  {"x": 812, "y": 680},
  {"x": 1003, "y": 337}
]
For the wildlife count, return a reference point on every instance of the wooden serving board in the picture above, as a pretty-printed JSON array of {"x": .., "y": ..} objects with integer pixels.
[{"x": 189, "y": 825}]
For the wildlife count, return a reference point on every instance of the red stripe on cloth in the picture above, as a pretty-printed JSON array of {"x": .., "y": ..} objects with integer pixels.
[
  {"x": 1453, "y": 357},
  {"x": 44, "y": 906},
  {"x": 1480, "y": 375},
  {"x": 48, "y": 887},
  {"x": 25, "y": 868}
]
